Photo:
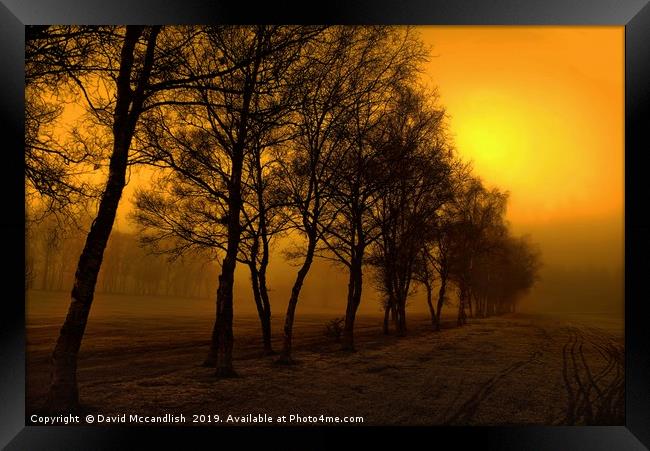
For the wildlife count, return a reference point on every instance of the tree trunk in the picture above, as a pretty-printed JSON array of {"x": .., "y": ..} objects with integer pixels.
[
  {"x": 220, "y": 354},
  {"x": 222, "y": 334},
  {"x": 401, "y": 315},
  {"x": 441, "y": 298},
  {"x": 432, "y": 311},
  {"x": 285, "y": 356},
  {"x": 264, "y": 263},
  {"x": 266, "y": 320},
  {"x": 389, "y": 307},
  {"x": 386, "y": 319},
  {"x": 461, "y": 305},
  {"x": 403, "y": 286},
  {"x": 354, "y": 299},
  {"x": 222, "y": 337},
  {"x": 63, "y": 394},
  {"x": 264, "y": 316},
  {"x": 393, "y": 314},
  {"x": 264, "y": 292}
]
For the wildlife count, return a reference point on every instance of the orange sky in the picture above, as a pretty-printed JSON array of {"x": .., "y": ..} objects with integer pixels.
[{"x": 540, "y": 112}]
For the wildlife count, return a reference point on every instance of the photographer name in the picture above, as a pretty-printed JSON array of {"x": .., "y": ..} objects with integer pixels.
[{"x": 133, "y": 418}]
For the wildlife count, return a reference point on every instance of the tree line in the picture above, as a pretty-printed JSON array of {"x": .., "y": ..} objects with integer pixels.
[
  {"x": 321, "y": 134},
  {"x": 127, "y": 267}
]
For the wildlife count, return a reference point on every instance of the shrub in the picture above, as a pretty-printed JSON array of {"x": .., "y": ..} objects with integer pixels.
[{"x": 334, "y": 328}]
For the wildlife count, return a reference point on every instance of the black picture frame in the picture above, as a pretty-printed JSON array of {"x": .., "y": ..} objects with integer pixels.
[{"x": 633, "y": 14}]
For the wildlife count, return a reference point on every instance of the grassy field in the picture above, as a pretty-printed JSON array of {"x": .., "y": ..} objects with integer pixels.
[{"x": 143, "y": 356}]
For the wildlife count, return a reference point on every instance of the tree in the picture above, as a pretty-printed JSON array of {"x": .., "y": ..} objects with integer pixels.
[
  {"x": 135, "y": 66},
  {"x": 424, "y": 274},
  {"x": 133, "y": 71},
  {"x": 326, "y": 91},
  {"x": 392, "y": 62},
  {"x": 263, "y": 222},
  {"x": 435, "y": 260},
  {"x": 214, "y": 129},
  {"x": 479, "y": 215},
  {"x": 434, "y": 257},
  {"x": 187, "y": 214},
  {"x": 502, "y": 275},
  {"x": 415, "y": 153},
  {"x": 53, "y": 55}
]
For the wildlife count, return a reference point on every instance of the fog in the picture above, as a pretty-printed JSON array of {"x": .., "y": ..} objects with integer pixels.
[
  {"x": 583, "y": 266},
  {"x": 582, "y": 272}
]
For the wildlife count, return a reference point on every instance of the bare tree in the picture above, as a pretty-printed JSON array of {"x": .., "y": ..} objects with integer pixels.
[
  {"x": 424, "y": 274},
  {"x": 503, "y": 274},
  {"x": 216, "y": 126},
  {"x": 131, "y": 84},
  {"x": 392, "y": 62},
  {"x": 263, "y": 222},
  {"x": 53, "y": 165},
  {"x": 326, "y": 92},
  {"x": 435, "y": 256},
  {"x": 434, "y": 264},
  {"x": 186, "y": 214},
  {"x": 128, "y": 73},
  {"x": 416, "y": 154},
  {"x": 480, "y": 213}
]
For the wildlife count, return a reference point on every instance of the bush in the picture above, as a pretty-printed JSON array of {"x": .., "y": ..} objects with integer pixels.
[{"x": 334, "y": 329}]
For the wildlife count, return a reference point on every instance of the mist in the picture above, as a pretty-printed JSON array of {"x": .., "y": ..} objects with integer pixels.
[
  {"x": 583, "y": 266},
  {"x": 582, "y": 272}
]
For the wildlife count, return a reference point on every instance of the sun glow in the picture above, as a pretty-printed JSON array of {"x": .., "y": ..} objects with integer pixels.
[{"x": 538, "y": 112}]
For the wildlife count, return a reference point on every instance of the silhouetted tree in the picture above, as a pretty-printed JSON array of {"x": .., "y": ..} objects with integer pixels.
[
  {"x": 435, "y": 262},
  {"x": 185, "y": 214},
  {"x": 501, "y": 276},
  {"x": 438, "y": 251},
  {"x": 424, "y": 274},
  {"x": 480, "y": 214},
  {"x": 132, "y": 81},
  {"x": 415, "y": 153},
  {"x": 263, "y": 222},
  {"x": 392, "y": 62},
  {"x": 327, "y": 89},
  {"x": 135, "y": 71},
  {"x": 54, "y": 57},
  {"x": 207, "y": 138}
]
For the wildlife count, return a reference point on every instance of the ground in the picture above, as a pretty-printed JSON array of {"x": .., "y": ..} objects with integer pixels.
[{"x": 511, "y": 369}]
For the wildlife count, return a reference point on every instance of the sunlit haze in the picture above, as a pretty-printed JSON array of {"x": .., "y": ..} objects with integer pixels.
[{"x": 539, "y": 112}]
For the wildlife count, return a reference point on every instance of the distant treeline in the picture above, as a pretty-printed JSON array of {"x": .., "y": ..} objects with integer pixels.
[{"x": 127, "y": 268}]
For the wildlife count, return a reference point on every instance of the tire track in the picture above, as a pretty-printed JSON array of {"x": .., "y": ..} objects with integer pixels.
[
  {"x": 592, "y": 398},
  {"x": 571, "y": 396},
  {"x": 468, "y": 409}
]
